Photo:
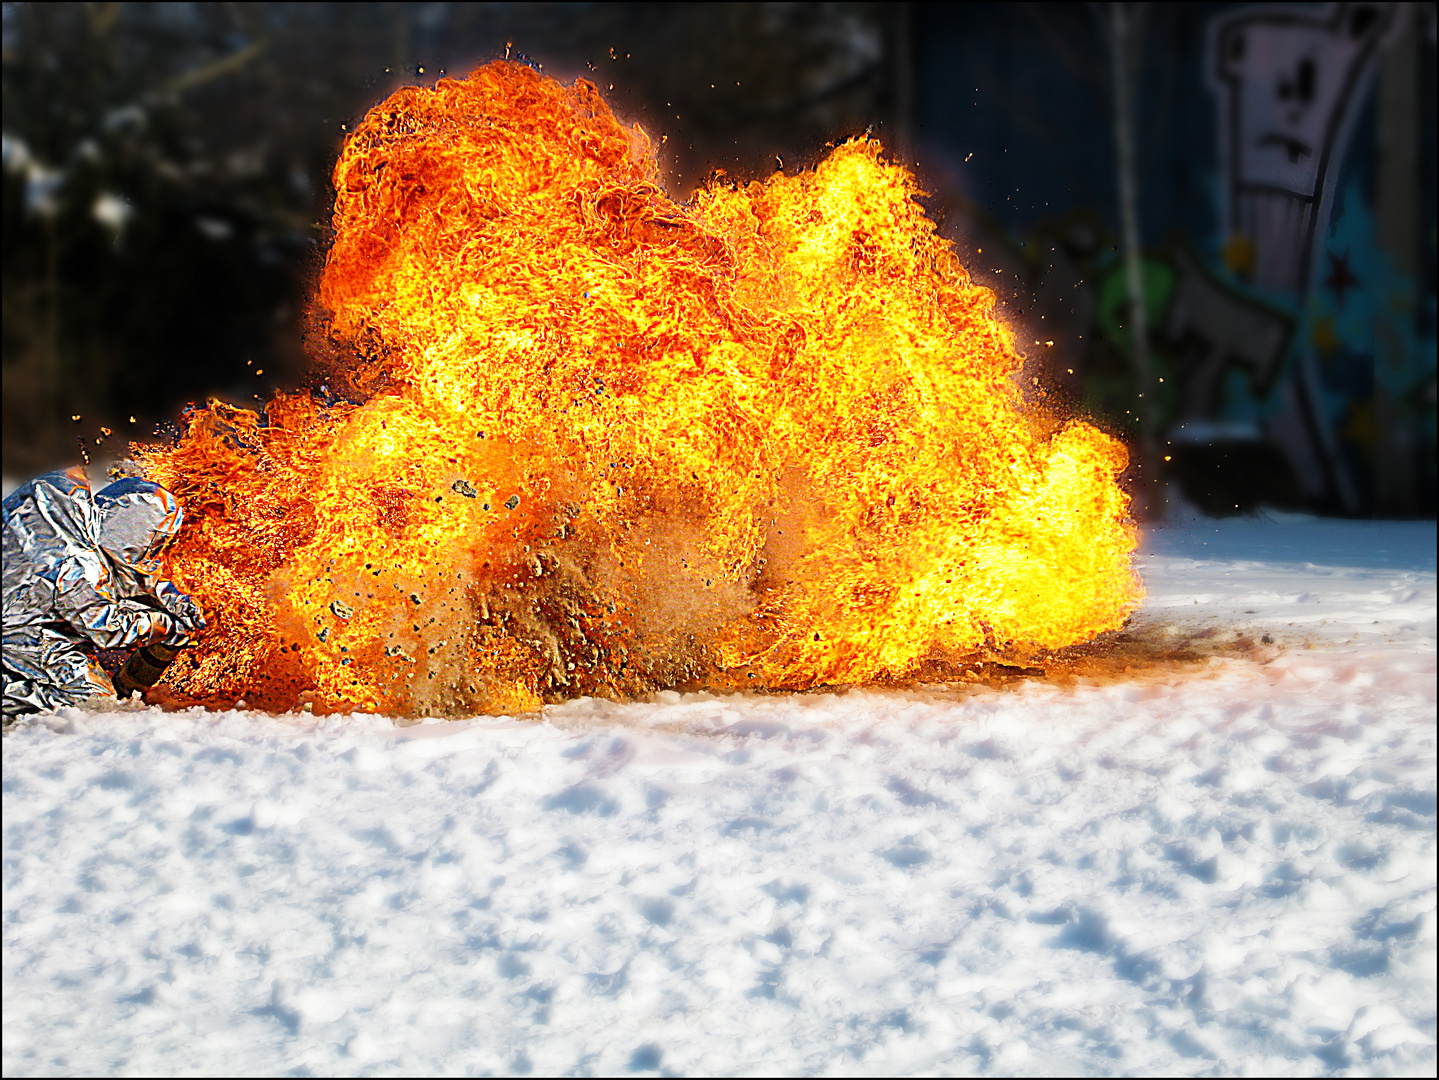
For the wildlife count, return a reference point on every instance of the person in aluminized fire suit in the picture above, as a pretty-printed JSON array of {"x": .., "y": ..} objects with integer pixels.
[{"x": 81, "y": 575}]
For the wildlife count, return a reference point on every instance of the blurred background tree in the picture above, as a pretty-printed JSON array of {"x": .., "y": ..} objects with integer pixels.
[{"x": 158, "y": 203}]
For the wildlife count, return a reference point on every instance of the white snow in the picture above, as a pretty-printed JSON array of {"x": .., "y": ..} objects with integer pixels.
[{"x": 1222, "y": 870}]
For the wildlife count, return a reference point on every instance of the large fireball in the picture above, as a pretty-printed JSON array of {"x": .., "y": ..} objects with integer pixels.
[{"x": 598, "y": 442}]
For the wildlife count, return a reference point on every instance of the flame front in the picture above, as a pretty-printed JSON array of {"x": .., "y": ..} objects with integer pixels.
[{"x": 598, "y": 442}]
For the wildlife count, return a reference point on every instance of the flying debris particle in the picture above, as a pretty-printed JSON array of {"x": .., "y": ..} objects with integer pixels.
[
  {"x": 341, "y": 610},
  {"x": 465, "y": 488},
  {"x": 512, "y": 502},
  {"x": 77, "y": 418}
]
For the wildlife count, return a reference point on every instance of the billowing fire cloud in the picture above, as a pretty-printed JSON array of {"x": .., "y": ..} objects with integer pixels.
[{"x": 599, "y": 442}]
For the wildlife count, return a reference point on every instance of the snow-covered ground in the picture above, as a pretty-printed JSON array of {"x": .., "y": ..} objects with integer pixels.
[{"x": 1225, "y": 869}]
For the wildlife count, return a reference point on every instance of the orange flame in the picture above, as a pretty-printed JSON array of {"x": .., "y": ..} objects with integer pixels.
[{"x": 608, "y": 443}]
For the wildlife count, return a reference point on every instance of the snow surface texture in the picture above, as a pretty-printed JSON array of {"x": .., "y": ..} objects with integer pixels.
[{"x": 1225, "y": 870}]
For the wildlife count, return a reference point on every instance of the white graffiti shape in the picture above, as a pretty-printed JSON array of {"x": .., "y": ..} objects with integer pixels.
[{"x": 1288, "y": 79}]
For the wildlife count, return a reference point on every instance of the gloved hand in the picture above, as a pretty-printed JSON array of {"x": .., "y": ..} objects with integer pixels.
[
  {"x": 185, "y": 617},
  {"x": 182, "y": 610}
]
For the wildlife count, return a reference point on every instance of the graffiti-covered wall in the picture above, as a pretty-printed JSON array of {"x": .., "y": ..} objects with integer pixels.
[{"x": 1286, "y": 199}]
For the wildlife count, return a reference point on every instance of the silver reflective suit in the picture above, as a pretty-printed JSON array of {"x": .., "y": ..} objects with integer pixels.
[{"x": 81, "y": 575}]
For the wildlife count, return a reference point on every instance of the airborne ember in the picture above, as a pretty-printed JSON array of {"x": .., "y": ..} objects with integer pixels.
[{"x": 599, "y": 442}]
